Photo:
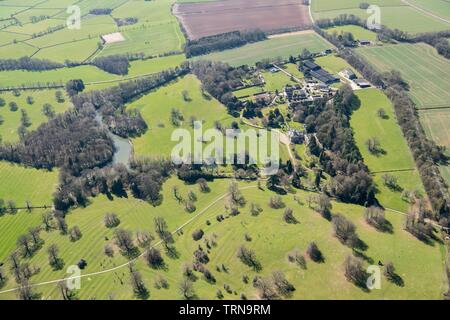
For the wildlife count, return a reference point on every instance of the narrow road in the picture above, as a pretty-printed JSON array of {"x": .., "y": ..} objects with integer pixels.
[{"x": 428, "y": 13}]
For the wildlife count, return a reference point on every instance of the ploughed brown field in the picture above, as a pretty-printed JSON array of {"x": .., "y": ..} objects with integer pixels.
[{"x": 210, "y": 18}]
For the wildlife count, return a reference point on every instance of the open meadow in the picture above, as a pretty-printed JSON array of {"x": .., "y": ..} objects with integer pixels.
[
  {"x": 395, "y": 14},
  {"x": 108, "y": 277},
  {"x": 393, "y": 156},
  {"x": 425, "y": 71}
]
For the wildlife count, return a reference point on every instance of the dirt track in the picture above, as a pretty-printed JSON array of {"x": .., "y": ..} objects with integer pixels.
[{"x": 209, "y": 18}]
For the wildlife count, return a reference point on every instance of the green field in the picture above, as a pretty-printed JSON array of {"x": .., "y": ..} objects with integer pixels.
[
  {"x": 395, "y": 14},
  {"x": 411, "y": 257},
  {"x": 358, "y": 32},
  {"x": 21, "y": 184},
  {"x": 283, "y": 46},
  {"x": 11, "y": 119},
  {"x": 420, "y": 65},
  {"x": 156, "y": 31},
  {"x": 395, "y": 156}
]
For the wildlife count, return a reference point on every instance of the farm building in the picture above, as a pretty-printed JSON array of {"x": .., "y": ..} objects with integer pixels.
[
  {"x": 362, "y": 83},
  {"x": 309, "y": 68},
  {"x": 364, "y": 42},
  {"x": 349, "y": 74},
  {"x": 297, "y": 137}
]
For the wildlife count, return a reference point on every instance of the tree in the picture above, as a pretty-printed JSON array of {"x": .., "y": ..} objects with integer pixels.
[
  {"x": 276, "y": 202},
  {"x": 374, "y": 146},
  {"x": 47, "y": 219},
  {"x": 108, "y": 250},
  {"x": 54, "y": 260},
  {"x": 24, "y": 242},
  {"x": 324, "y": 206},
  {"x": 186, "y": 289},
  {"x": 391, "y": 274},
  {"x": 282, "y": 285},
  {"x": 73, "y": 87},
  {"x": 314, "y": 253},
  {"x": 197, "y": 234},
  {"x": 61, "y": 224},
  {"x": 3, "y": 278},
  {"x": 248, "y": 258},
  {"x": 255, "y": 209},
  {"x": 124, "y": 240},
  {"x": 354, "y": 271},
  {"x": 390, "y": 181},
  {"x": 15, "y": 265},
  {"x": 48, "y": 111},
  {"x": 176, "y": 193},
  {"x": 13, "y": 106},
  {"x": 288, "y": 216},
  {"x": 375, "y": 216},
  {"x": 203, "y": 185},
  {"x": 144, "y": 238},
  {"x": 298, "y": 258},
  {"x": 34, "y": 234},
  {"x": 154, "y": 258},
  {"x": 75, "y": 233},
  {"x": 25, "y": 291},
  {"x": 30, "y": 100},
  {"x": 66, "y": 293},
  {"x": 161, "y": 230},
  {"x": 235, "y": 194},
  {"x": 382, "y": 113},
  {"x": 266, "y": 290},
  {"x": 345, "y": 230},
  {"x": 111, "y": 220},
  {"x": 59, "y": 96},
  {"x": 138, "y": 285}
]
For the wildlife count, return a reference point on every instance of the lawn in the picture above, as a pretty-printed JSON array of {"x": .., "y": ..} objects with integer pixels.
[
  {"x": 333, "y": 64},
  {"x": 411, "y": 257},
  {"x": 394, "y": 155},
  {"x": 420, "y": 65},
  {"x": 358, "y": 32},
  {"x": 270, "y": 49},
  {"x": 21, "y": 184},
  {"x": 437, "y": 7},
  {"x": 12, "y": 119},
  {"x": 394, "y": 14}
]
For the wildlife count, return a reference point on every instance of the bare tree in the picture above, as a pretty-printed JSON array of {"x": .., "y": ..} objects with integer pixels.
[
  {"x": 186, "y": 289},
  {"x": 124, "y": 241},
  {"x": 66, "y": 293},
  {"x": 248, "y": 258},
  {"x": 354, "y": 271},
  {"x": 314, "y": 253},
  {"x": 54, "y": 260},
  {"x": 154, "y": 258},
  {"x": 282, "y": 285},
  {"x": 288, "y": 216},
  {"x": 47, "y": 219},
  {"x": 24, "y": 242},
  {"x": 75, "y": 233},
  {"x": 138, "y": 285}
]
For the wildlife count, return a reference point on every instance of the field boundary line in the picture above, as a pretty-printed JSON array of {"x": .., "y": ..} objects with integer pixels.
[{"x": 135, "y": 259}]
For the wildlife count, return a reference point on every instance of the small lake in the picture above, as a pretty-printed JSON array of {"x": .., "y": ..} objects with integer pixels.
[{"x": 123, "y": 147}]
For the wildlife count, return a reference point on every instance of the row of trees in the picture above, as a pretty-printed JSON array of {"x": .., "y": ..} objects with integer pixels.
[
  {"x": 222, "y": 42},
  {"x": 116, "y": 64},
  {"x": 30, "y": 64}
]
